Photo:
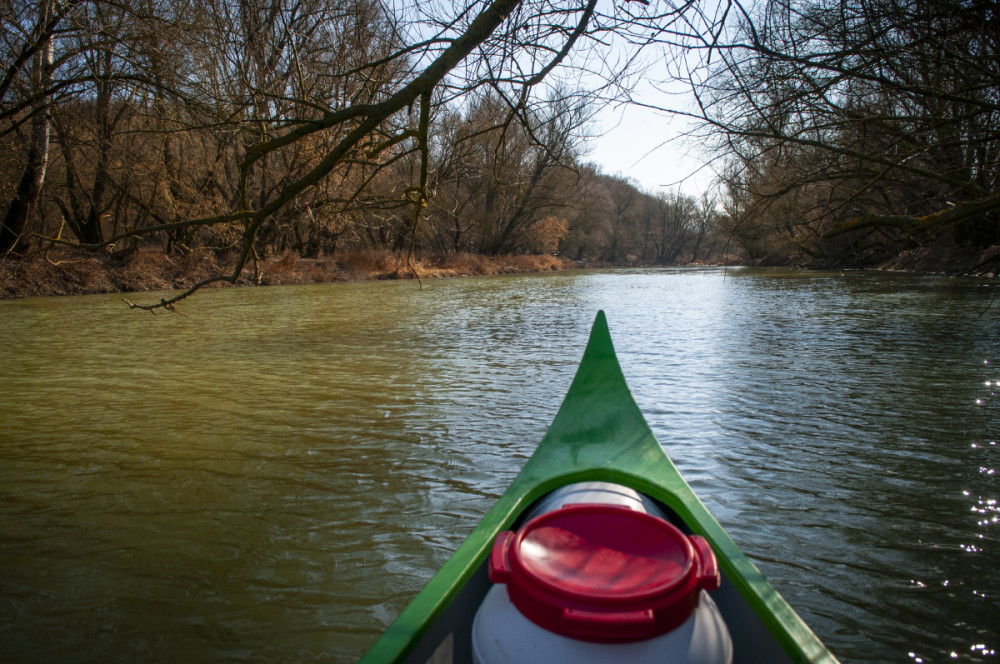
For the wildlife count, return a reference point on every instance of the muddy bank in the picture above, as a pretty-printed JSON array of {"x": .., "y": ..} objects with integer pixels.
[
  {"x": 950, "y": 261},
  {"x": 69, "y": 272},
  {"x": 73, "y": 273},
  {"x": 942, "y": 260}
]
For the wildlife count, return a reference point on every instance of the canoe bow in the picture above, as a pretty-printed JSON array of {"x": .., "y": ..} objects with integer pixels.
[{"x": 599, "y": 434}]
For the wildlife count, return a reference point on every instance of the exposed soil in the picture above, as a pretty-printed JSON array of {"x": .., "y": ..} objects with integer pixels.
[
  {"x": 68, "y": 272},
  {"x": 950, "y": 261},
  {"x": 946, "y": 260}
]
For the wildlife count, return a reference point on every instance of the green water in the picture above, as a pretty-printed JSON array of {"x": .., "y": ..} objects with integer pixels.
[{"x": 271, "y": 476}]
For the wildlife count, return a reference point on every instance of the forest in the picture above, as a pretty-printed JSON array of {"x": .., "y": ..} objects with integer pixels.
[{"x": 842, "y": 133}]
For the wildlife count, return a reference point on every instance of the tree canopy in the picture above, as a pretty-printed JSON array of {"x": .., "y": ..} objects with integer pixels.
[
  {"x": 305, "y": 124},
  {"x": 860, "y": 125}
]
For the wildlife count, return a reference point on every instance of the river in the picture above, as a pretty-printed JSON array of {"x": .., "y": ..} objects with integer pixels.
[{"x": 272, "y": 475}]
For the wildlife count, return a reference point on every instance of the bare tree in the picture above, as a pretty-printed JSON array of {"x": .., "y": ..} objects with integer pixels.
[
  {"x": 250, "y": 126},
  {"x": 622, "y": 219},
  {"x": 862, "y": 115},
  {"x": 438, "y": 54},
  {"x": 38, "y": 48},
  {"x": 702, "y": 223},
  {"x": 368, "y": 128}
]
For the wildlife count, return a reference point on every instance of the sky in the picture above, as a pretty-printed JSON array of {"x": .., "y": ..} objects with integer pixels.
[
  {"x": 652, "y": 146},
  {"x": 648, "y": 146}
]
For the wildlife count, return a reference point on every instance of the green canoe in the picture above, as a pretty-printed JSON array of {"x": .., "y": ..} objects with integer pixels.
[{"x": 599, "y": 434}]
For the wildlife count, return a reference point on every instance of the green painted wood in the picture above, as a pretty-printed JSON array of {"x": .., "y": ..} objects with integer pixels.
[{"x": 599, "y": 434}]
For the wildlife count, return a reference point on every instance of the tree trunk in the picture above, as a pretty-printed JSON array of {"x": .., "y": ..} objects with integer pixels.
[
  {"x": 30, "y": 187},
  {"x": 92, "y": 226}
]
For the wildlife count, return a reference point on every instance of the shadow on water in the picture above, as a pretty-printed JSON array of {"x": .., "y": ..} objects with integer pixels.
[{"x": 273, "y": 475}]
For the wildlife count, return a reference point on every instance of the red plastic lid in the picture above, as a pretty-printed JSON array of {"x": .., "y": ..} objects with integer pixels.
[{"x": 603, "y": 573}]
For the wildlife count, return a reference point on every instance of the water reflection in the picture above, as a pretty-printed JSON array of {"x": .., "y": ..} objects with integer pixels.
[{"x": 273, "y": 475}]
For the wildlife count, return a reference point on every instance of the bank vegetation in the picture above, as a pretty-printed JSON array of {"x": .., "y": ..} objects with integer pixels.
[
  {"x": 859, "y": 132},
  {"x": 231, "y": 141},
  {"x": 256, "y": 131}
]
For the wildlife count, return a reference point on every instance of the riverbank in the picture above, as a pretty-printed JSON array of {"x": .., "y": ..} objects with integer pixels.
[
  {"x": 70, "y": 272},
  {"x": 67, "y": 272},
  {"x": 952, "y": 261},
  {"x": 945, "y": 260}
]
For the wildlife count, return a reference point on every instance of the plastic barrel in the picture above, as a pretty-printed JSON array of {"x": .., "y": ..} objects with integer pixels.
[{"x": 596, "y": 574}]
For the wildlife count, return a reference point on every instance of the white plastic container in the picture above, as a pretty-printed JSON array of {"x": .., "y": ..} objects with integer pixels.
[
  {"x": 596, "y": 582},
  {"x": 501, "y": 633},
  {"x": 604, "y": 493}
]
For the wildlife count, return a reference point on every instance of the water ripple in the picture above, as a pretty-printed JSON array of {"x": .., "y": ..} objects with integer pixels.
[{"x": 274, "y": 475}]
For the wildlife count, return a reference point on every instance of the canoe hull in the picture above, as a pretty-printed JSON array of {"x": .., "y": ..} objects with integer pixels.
[{"x": 599, "y": 434}]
